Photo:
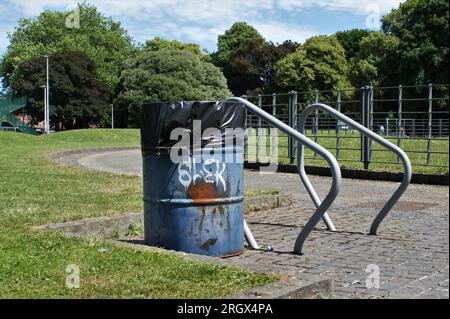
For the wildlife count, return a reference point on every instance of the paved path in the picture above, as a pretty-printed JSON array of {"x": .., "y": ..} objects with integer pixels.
[{"x": 411, "y": 251}]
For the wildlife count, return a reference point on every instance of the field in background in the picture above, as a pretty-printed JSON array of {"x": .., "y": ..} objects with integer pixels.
[
  {"x": 35, "y": 191},
  {"x": 349, "y": 154}
]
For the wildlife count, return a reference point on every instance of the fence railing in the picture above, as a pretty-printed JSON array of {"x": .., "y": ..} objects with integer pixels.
[
  {"x": 415, "y": 118},
  {"x": 8, "y": 128}
]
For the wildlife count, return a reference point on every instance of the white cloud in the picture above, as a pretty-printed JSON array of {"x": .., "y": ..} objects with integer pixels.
[
  {"x": 35, "y": 7},
  {"x": 279, "y": 31},
  {"x": 201, "y": 21},
  {"x": 352, "y": 6}
]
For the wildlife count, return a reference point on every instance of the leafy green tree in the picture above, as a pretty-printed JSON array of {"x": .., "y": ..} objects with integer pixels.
[
  {"x": 364, "y": 72},
  {"x": 166, "y": 75},
  {"x": 317, "y": 64},
  {"x": 251, "y": 66},
  {"x": 350, "y": 40},
  {"x": 77, "y": 98},
  {"x": 295, "y": 72},
  {"x": 159, "y": 44},
  {"x": 102, "y": 39},
  {"x": 273, "y": 55},
  {"x": 245, "y": 67},
  {"x": 376, "y": 63},
  {"x": 240, "y": 35},
  {"x": 232, "y": 39},
  {"x": 422, "y": 28}
]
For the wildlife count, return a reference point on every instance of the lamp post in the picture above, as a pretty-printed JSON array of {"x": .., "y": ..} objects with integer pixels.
[
  {"x": 45, "y": 107},
  {"x": 112, "y": 116},
  {"x": 47, "y": 97}
]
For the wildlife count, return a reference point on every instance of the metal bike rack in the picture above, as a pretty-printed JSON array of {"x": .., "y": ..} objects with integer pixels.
[
  {"x": 335, "y": 169},
  {"x": 364, "y": 131}
]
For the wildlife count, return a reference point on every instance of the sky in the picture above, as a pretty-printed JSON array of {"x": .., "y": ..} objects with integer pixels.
[{"x": 201, "y": 21}]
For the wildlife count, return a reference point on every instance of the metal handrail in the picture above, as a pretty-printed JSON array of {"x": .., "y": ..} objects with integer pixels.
[
  {"x": 9, "y": 104},
  {"x": 302, "y": 140},
  {"x": 364, "y": 131}
]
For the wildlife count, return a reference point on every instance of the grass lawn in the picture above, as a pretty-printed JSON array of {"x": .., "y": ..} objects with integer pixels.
[
  {"x": 35, "y": 191},
  {"x": 350, "y": 144}
]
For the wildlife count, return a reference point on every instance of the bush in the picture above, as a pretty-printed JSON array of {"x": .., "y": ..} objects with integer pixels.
[{"x": 168, "y": 75}]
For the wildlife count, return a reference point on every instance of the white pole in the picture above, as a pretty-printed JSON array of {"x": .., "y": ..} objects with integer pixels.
[
  {"x": 112, "y": 116},
  {"x": 45, "y": 108},
  {"x": 47, "y": 127}
]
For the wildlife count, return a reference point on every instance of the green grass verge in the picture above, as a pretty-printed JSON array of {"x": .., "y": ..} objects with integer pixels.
[
  {"x": 349, "y": 156},
  {"x": 35, "y": 191}
]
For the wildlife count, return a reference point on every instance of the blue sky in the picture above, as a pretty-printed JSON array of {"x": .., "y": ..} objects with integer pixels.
[{"x": 201, "y": 21}]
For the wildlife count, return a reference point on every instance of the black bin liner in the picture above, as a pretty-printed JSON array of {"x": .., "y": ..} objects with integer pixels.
[{"x": 159, "y": 119}]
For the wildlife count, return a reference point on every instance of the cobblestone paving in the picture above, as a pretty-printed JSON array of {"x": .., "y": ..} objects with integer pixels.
[{"x": 411, "y": 249}]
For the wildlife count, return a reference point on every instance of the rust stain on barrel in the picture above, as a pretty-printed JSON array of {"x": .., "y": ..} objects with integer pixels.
[
  {"x": 232, "y": 254},
  {"x": 203, "y": 193}
]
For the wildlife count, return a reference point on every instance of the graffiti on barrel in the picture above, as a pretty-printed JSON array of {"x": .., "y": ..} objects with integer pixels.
[{"x": 211, "y": 173}]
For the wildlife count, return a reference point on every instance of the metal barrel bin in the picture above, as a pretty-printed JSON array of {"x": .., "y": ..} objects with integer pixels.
[{"x": 195, "y": 206}]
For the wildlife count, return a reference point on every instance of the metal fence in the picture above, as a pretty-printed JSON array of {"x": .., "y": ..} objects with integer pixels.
[
  {"x": 8, "y": 128},
  {"x": 413, "y": 117}
]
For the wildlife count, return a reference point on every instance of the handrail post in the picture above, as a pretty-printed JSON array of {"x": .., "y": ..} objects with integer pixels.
[
  {"x": 338, "y": 126},
  {"x": 249, "y": 237},
  {"x": 273, "y": 133},
  {"x": 315, "y": 123},
  {"x": 292, "y": 110},
  {"x": 365, "y": 121},
  {"x": 361, "y": 120},
  {"x": 274, "y": 104},
  {"x": 430, "y": 122},
  {"x": 304, "y": 177},
  {"x": 260, "y": 135},
  {"x": 399, "y": 117}
]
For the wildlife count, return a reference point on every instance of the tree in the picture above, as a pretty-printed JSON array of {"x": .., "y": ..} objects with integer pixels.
[
  {"x": 376, "y": 62},
  {"x": 422, "y": 28},
  {"x": 317, "y": 64},
  {"x": 102, "y": 39},
  {"x": 77, "y": 98},
  {"x": 232, "y": 39},
  {"x": 350, "y": 40},
  {"x": 159, "y": 44},
  {"x": 251, "y": 69},
  {"x": 240, "y": 35},
  {"x": 168, "y": 75}
]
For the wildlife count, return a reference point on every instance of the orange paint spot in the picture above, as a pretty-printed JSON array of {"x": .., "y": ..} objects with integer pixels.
[{"x": 203, "y": 193}]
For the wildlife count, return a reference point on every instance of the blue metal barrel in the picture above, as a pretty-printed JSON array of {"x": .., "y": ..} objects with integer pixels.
[{"x": 195, "y": 206}]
